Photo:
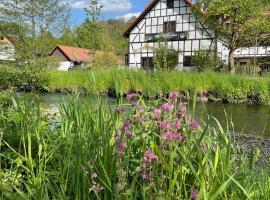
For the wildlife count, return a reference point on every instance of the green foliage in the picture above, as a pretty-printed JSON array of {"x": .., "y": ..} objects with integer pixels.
[
  {"x": 238, "y": 22},
  {"x": 216, "y": 86},
  {"x": 206, "y": 60},
  {"x": 75, "y": 155},
  {"x": 89, "y": 35},
  {"x": 22, "y": 78},
  {"x": 165, "y": 58}
]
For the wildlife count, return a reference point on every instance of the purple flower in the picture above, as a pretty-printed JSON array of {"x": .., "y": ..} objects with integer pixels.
[
  {"x": 94, "y": 176},
  {"x": 132, "y": 96},
  {"x": 194, "y": 194},
  {"x": 148, "y": 158},
  {"x": 117, "y": 136},
  {"x": 122, "y": 146},
  {"x": 164, "y": 125},
  {"x": 173, "y": 96},
  {"x": 145, "y": 176},
  {"x": 127, "y": 125},
  {"x": 194, "y": 124},
  {"x": 129, "y": 133},
  {"x": 136, "y": 104},
  {"x": 177, "y": 124},
  {"x": 156, "y": 114},
  {"x": 99, "y": 187},
  {"x": 167, "y": 106},
  {"x": 172, "y": 136}
]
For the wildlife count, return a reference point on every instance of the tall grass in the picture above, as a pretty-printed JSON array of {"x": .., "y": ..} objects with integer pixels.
[
  {"x": 214, "y": 86},
  {"x": 85, "y": 152}
]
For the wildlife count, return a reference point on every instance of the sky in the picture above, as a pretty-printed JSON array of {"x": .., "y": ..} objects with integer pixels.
[{"x": 111, "y": 9}]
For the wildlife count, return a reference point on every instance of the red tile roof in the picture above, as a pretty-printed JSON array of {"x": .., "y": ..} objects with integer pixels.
[
  {"x": 74, "y": 54},
  {"x": 142, "y": 15}
]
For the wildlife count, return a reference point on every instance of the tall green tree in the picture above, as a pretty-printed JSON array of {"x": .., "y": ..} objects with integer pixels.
[
  {"x": 36, "y": 18},
  {"x": 238, "y": 22},
  {"x": 91, "y": 31}
]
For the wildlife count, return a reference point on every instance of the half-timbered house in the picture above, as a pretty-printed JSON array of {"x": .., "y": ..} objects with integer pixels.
[{"x": 175, "y": 22}]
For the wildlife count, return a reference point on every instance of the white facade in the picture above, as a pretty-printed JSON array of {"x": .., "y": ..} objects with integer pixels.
[
  {"x": 190, "y": 35},
  {"x": 65, "y": 65},
  {"x": 249, "y": 52},
  {"x": 7, "y": 52}
]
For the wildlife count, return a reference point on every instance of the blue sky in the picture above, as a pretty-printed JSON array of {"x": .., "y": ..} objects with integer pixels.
[{"x": 112, "y": 9}]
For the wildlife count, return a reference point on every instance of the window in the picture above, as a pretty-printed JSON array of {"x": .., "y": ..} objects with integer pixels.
[
  {"x": 126, "y": 59},
  {"x": 188, "y": 61},
  {"x": 170, "y": 3},
  {"x": 147, "y": 63},
  {"x": 169, "y": 27}
]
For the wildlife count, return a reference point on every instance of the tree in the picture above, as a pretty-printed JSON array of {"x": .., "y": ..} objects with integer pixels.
[
  {"x": 234, "y": 21},
  {"x": 94, "y": 10},
  {"x": 36, "y": 18},
  {"x": 94, "y": 29}
]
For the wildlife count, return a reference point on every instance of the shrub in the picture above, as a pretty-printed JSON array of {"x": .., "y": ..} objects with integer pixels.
[
  {"x": 206, "y": 60},
  {"x": 165, "y": 58},
  {"x": 25, "y": 78}
]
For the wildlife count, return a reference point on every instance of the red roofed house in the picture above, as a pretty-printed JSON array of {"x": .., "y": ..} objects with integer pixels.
[{"x": 70, "y": 57}]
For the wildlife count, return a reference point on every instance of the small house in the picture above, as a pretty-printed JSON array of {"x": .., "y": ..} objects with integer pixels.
[
  {"x": 7, "y": 50},
  {"x": 71, "y": 57}
]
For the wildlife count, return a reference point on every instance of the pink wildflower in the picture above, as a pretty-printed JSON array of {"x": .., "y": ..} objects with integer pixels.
[
  {"x": 122, "y": 146},
  {"x": 127, "y": 125},
  {"x": 132, "y": 96},
  {"x": 177, "y": 124},
  {"x": 172, "y": 136},
  {"x": 156, "y": 114},
  {"x": 164, "y": 125},
  {"x": 194, "y": 124},
  {"x": 136, "y": 104},
  {"x": 117, "y": 136},
  {"x": 173, "y": 96},
  {"x": 148, "y": 158},
  {"x": 129, "y": 133},
  {"x": 145, "y": 176},
  {"x": 194, "y": 194},
  {"x": 167, "y": 106},
  {"x": 94, "y": 176}
]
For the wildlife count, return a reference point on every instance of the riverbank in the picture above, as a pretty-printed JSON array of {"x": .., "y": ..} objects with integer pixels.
[{"x": 216, "y": 87}]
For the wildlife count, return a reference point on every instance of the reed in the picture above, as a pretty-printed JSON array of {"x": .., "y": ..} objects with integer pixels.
[
  {"x": 213, "y": 86},
  {"x": 91, "y": 150}
]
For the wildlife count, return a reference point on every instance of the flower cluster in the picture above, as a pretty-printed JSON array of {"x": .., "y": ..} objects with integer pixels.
[
  {"x": 172, "y": 136},
  {"x": 167, "y": 106},
  {"x": 148, "y": 158},
  {"x": 174, "y": 96},
  {"x": 131, "y": 96}
]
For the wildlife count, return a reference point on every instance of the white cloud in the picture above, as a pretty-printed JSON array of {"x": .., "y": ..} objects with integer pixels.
[
  {"x": 127, "y": 16},
  {"x": 112, "y": 6}
]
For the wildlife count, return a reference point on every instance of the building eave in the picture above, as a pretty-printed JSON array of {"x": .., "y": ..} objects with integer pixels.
[{"x": 144, "y": 13}]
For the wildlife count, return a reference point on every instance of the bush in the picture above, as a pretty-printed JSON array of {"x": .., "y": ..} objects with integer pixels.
[
  {"x": 165, "y": 58},
  {"x": 206, "y": 60},
  {"x": 26, "y": 78}
]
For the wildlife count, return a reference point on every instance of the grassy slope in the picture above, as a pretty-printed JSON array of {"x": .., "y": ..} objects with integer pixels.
[{"x": 222, "y": 87}]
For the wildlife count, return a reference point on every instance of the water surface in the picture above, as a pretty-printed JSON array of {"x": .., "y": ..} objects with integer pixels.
[{"x": 248, "y": 119}]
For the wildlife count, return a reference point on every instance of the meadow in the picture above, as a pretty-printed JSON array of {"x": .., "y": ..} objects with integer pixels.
[
  {"x": 90, "y": 150},
  {"x": 117, "y": 82}
]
